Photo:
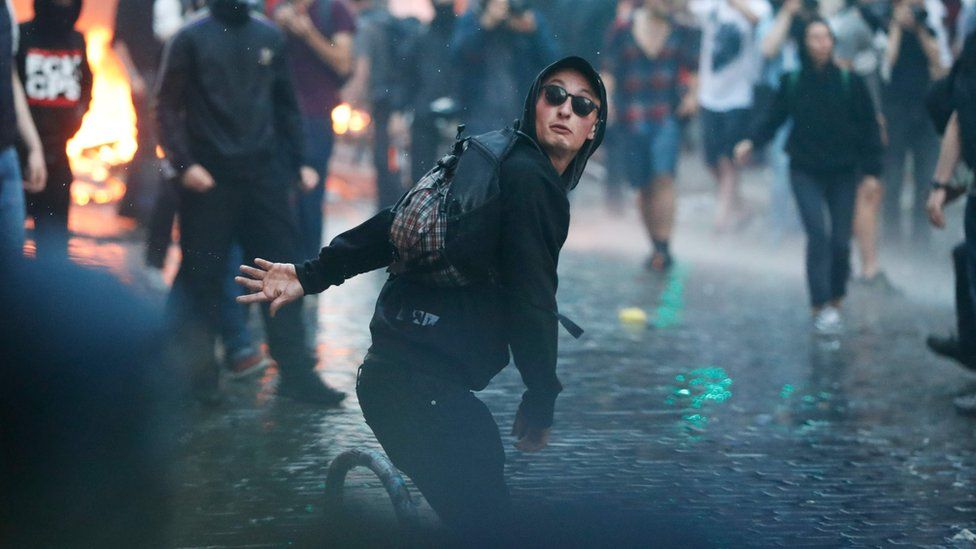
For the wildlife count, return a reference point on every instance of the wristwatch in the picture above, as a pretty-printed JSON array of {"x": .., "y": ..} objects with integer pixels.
[{"x": 938, "y": 185}]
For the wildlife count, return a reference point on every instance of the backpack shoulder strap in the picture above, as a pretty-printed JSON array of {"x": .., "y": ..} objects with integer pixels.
[{"x": 845, "y": 81}]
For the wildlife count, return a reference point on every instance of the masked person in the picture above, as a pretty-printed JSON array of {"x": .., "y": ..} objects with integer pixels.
[
  {"x": 432, "y": 346},
  {"x": 231, "y": 128},
  {"x": 53, "y": 65}
]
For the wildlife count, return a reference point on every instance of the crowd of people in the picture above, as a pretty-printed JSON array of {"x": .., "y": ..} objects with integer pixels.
[{"x": 238, "y": 95}]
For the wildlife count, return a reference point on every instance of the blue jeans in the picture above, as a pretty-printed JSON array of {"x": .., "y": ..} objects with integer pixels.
[
  {"x": 783, "y": 217},
  {"x": 12, "y": 209},
  {"x": 653, "y": 151},
  {"x": 318, "y": 148},
  {"x": 828, "y": 242},
  {"x": 233, "y": 316}
]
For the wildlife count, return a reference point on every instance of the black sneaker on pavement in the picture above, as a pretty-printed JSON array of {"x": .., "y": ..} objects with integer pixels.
[
  {"x": 949, "y": 347},
  {"x": 310, "y": 389}
]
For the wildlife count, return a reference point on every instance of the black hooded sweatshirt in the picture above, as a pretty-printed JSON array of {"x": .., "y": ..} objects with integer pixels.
[
  {"x": 465, "y": 334},
  {"x": 225, "y": 98},
  {"x": 53, "y": 66}
]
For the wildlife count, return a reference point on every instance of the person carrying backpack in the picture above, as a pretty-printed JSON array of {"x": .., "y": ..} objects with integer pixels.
[
  {"x": 835, "y": 139},
  {"x": 446, "y": 322}
]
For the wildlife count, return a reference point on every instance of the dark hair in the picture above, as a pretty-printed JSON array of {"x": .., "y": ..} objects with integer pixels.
[{"x": 804, "y": 55}]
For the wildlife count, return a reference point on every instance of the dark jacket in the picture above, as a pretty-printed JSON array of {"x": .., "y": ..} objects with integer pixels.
[
  {"x": 834, "y": 124},
  {"x": 225, "y": 97},
  {"x": 494, "y": 66},
  {"x": 466, "y": 334},
  {"x": 53, "y": 66}
]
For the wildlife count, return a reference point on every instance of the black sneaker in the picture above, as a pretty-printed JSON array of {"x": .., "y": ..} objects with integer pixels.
[
  {"x": 949, "y": 347},
  {"x": 311, "y": 389}
]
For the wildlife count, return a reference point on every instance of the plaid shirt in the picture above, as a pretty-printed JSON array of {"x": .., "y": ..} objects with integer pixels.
[
  {"x": 419, "y": 234},
  {"x": 649, "y": 90}
]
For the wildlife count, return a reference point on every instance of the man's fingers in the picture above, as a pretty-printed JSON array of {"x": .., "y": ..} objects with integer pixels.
[
  {"x": 278, "y": 303},
  {"x": 249, "y": 283},
  {"x": 256, "y": 274},
  {"x": 257, "y": 297},
  {"x": 263, "y": 263}
]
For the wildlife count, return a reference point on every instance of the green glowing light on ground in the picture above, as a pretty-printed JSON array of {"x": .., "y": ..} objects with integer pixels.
[
  {"x": 669, "y": 312},
  {"x": 787, "y": 391},
  {"x": 698, "y": 388}
]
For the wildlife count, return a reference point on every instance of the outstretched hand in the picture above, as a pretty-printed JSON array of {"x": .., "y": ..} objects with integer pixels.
[{"x": 275, "y": 283}]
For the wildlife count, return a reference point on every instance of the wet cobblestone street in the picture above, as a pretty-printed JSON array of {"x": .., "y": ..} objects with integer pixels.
[{"x": 722, "y": 409}]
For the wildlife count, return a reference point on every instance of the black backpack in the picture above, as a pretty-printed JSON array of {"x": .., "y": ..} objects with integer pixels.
[{"x": 445, "y": 229}]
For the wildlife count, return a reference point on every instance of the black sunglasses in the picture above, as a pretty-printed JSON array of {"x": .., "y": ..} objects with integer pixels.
[{"x": 556, "y": 95}]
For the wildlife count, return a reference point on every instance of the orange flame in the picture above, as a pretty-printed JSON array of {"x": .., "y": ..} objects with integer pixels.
[{"x": 107, "y": 137}]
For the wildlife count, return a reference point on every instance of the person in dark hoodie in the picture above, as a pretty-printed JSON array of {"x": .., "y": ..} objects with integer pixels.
[
  {"x": 432, "y": 346},
  {"x": 53, "y": 65},
  {"x": 231, "y": 129},
  {"x": 835, "y": 137}
]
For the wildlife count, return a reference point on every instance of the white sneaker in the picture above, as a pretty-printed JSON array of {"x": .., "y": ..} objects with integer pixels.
[{"x": 828, "y": 321}]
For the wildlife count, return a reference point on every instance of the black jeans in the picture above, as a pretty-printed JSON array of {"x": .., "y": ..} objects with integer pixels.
[
  {"x": 445, "y": 439},
  {"x": 909, "y": 131},
  {"x": 828, "y": 242},
  {"x": 49, "y": 208},
  {"x": 254, "y": 211}
]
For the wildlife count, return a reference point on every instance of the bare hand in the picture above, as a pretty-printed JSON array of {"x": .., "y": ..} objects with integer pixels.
[
  {"x": 743, "y": 152},
  {"x": 495, "y": 12},
  {"x": 284, "y": 14},
  {"x": 529, "y": 439},
  {"x": 197, "y": 179},
  {"x": 138, "y": 86},
  {"x": 524, "y": 23},
  {"x": 904, "y": 17},
  {"x": 688, "y": 106},
  {"x": 791, "y": 7},
  {"x": 275, "y": 283},
  {"x": 36, "y": 176},
  {"x": 309, "y": 178},
  {"x": 302, "y": 26},
  {"x": 937, "y": 199}
]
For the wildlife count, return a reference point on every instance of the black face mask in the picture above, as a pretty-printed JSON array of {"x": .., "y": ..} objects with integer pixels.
[
  {"x": 53, "y": 18},
  {"x": 230, "y": 11}
]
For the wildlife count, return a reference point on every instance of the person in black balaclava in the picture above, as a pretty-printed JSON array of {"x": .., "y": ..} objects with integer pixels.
[
  {"x": 53, "y": 66},
  {"x": 231, "y": 130}
]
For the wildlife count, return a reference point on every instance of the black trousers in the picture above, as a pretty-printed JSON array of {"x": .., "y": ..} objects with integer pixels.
[
  {"x": 445, "y": 439},
  {"x": 159, "y": 232},
  {"x": 255, "y": 211},
  {"x": 826, "y": 206},
  {"x": 909, "y": 132},
  {"x": 49, "y": 208}
]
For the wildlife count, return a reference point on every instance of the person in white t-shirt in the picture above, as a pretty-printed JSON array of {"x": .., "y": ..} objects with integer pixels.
[{"x": 729, "y": 67}]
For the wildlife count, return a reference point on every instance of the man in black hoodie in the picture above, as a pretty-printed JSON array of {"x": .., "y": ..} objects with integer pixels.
[
  {"x": 230, "y": 126},
  {"x": 433, "y": 346},
  {"x": 53, "y": 66}
]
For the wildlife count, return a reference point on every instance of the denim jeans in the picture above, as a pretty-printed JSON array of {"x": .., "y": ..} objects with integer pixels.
[
  {"x": 819, "y": 197},
  {"x": 964, "y": 260},
  {"x": 318, "y": 148},
  {"x": 12, "y": 209},
  {"x": 234, "y": 332}
]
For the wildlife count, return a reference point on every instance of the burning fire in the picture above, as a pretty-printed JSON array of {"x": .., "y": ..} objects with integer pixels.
[
  {"x": 346, "y": 119},
  {"x": 107, "y": 137}
]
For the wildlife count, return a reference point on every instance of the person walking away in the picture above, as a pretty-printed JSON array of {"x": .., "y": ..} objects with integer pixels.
[
  {"x": 835, "y": 136},
  {"x": 53, "y": 65}
]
